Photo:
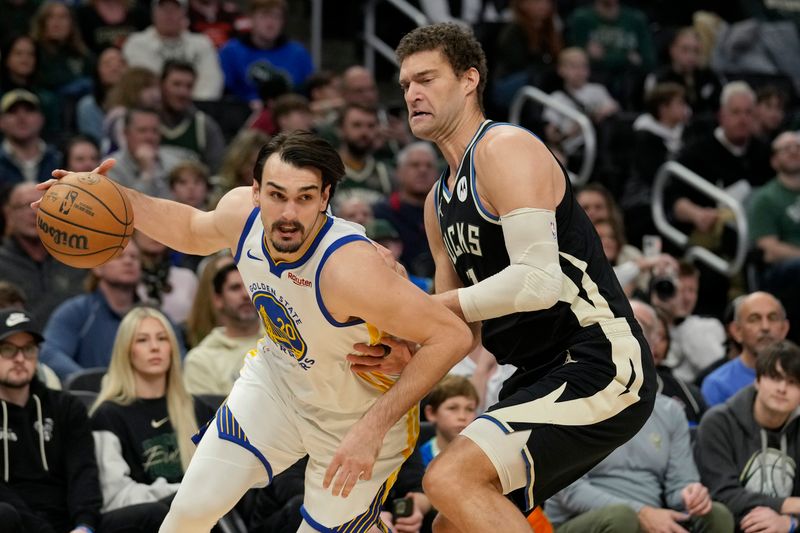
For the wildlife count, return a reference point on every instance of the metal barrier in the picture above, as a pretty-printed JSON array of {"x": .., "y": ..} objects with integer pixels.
[
  {"x": 723, "y": 266},
  {"x": 530, "y": 92},
  {"x": 376, "y": 44}
]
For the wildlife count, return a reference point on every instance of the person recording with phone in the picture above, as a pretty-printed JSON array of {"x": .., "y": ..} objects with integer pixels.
[{"x": 697, "y": 341}]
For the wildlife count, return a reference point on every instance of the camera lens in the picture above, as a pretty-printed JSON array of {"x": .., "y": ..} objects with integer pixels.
[{"x": 664, "y": 287}]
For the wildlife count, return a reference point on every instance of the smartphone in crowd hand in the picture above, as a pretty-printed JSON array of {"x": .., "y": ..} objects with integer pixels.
[{"x": 402, "y": 507}]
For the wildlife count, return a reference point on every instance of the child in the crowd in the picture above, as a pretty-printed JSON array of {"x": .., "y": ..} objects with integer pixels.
[
  {"x": 591, "y": 99},
  {"x": 452, "y": 405}
]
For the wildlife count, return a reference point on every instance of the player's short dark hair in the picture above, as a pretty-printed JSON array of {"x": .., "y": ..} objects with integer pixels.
[
  {"x": 450, "y": 387},
  {"x": 218, "y": 281},
  {"x": 784, "y": 353},
  {"x": 457, "y": 44},
  {"x": 662, "y": 94},
  {"x": 303, "y": 149},
  {"x": 177, "y": 65}
]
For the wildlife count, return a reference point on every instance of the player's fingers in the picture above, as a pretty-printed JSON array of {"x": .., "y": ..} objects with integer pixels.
[
  {"x": 330, "y": 472},
  {"x": 340, "y": 482},
  {"x": 366, "y": 368},
  {"x": 105, "y": 166},
  {"x": 58, "y": 174},
  {"x": 366, "y": 349},
  {"x": 357, "y": 359}
]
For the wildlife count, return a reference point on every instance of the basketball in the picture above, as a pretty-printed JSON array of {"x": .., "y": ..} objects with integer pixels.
[{"x": 85, "y": 220}]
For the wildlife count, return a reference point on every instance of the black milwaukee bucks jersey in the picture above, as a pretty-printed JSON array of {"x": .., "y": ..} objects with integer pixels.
[{"x": 590, "y": 293}]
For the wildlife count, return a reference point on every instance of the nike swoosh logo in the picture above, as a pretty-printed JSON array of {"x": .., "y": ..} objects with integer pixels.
[
  {"x": 251, "y": 256},
  {"x": 15, "y": 319},
  {"x": 158, "y": 423}
]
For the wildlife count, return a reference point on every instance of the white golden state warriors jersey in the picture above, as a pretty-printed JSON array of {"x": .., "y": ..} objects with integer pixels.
[{"x": 303, "y": 351}]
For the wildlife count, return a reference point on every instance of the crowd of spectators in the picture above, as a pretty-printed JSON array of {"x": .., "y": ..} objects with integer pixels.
[{"x": 183, "y": 93}]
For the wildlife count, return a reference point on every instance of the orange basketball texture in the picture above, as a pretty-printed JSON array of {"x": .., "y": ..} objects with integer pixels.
[{"x": 85, "y": 220}]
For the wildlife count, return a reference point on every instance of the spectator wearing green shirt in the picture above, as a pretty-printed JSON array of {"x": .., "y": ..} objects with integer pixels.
[
  {"x": 616, "y": 38},
  {"x": 774, "y": 217}
]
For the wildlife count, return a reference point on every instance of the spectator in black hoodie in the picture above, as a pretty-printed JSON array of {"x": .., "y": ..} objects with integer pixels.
[
  {"x": 49, "y": 474},
  {"x": 747, "y": 448}
]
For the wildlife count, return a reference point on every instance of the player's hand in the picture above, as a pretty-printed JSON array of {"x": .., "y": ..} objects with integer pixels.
[
  {"x": 765, "y": 520},
  {"x": 654, "y": 520},
  {"x": 353, "y": 460},
  {"x": 376, "y": 359},
  {"x": 696, "y": 499},
  {"x": 59, "y": 173},
  {"x": 391, "y": 262}
]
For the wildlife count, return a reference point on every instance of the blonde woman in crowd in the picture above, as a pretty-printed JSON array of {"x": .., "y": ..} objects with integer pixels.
[{"x": 143, "y": 418}]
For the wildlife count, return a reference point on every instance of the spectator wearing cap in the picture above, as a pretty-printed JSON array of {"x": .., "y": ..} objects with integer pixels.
[
  {"x": 182, "y": 124},
  {"x": 382, "y": 232},
  {"x": 24, "y": 261},
  {"x": 12, "y": 296},
  {"x": 49, "y": 471},
  {"x": 774, "y": 217},
  {"x": 24, "y": 156},
  {"x": 168, "y": 39},
  {"x": 268, "y": 49}
]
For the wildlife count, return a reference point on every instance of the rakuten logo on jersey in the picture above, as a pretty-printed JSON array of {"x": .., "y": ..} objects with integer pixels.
[{"x": 299, "y": 281}]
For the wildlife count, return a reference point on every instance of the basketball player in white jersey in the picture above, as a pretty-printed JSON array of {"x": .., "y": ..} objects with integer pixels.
[{"x": 320, "y": 287}]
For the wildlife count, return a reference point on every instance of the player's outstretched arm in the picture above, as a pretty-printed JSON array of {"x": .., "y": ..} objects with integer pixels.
[
  {"x": 357, "y": 283},
  {"x": 179, "y": 226}
]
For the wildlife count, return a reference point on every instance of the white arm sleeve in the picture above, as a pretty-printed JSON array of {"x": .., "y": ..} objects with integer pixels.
[{"x": 533, "y": 279}]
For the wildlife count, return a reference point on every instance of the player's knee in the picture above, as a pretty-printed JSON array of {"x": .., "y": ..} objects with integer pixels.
[{"x": 438, "y": 481}]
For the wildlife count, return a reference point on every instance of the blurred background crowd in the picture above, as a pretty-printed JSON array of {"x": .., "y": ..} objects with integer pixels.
[{"x": 677, "y": 121}]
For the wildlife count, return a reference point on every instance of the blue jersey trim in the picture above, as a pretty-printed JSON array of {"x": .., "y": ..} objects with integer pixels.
[
  {"x": 247, "y": 226},
  {"x": 496, "y": 423},
  {"x": 360, "y": 524},
  {"x": 528, "y": 466},
  {"x": 228, "y": 428},
  {"x": 332, "y": 248},
  {"x": 281, "y": 266},
  {"x": 313, "y": 523},
  {"x": 473, "y": 181}
]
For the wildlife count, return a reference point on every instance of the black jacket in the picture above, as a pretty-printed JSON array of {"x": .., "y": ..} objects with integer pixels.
[{"x": 53, "y": 472}]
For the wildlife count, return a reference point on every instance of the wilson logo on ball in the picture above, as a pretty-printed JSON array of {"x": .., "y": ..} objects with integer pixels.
[{"x": 61, "y": 237}]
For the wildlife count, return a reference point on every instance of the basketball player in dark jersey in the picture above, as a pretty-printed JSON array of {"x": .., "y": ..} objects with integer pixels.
[{"x": 516, "y": 255}]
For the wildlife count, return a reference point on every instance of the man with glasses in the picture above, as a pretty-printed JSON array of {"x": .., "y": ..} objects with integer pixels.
[
  {"x": 49, "y": 474},
  {"x": 774, "y": 217}
]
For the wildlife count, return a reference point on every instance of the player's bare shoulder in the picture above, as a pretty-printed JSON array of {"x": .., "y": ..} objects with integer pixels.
[
  {"x": 515, "y": 169},
  {"x": 508, "y": 144},
  {"x": 232, "y": 212}
]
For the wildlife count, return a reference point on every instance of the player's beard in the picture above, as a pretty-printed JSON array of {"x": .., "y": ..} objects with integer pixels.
[{"x": 288, "y": 247}]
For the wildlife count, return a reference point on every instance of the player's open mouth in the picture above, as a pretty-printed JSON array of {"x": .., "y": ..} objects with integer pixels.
[{"x": 419, "y": 114}]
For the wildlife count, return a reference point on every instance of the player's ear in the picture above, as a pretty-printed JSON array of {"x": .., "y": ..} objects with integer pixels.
[
  {"x": 256, "y": 191},
  {"x": 326, "y": 197},
  {"x": 471, "y": 79}
]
